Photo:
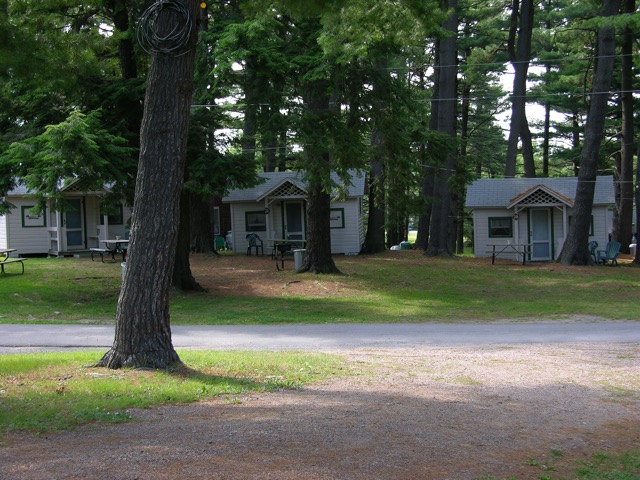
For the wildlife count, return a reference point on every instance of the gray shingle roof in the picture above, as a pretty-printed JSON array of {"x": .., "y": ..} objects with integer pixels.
[
  {"x": 498, "y": 192},
  {"x": 275, "y": 179}
]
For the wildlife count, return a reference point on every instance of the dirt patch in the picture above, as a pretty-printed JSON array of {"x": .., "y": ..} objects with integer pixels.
[
  {"x": 428, "y": 413},
  {"x": 253, "y": 276},
  {"x": 227, "y": 275}
]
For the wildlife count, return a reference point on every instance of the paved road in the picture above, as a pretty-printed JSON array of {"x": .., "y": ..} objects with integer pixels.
[{"x": 330, "y": 337}]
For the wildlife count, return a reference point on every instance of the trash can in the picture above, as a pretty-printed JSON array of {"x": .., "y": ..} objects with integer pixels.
[
  {"x": 298, "y": 259},
  {"x": 123, "y": 266}
]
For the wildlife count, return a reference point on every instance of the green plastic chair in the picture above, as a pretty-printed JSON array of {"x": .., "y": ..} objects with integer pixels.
[
  {"x": 219, "y": 242},
  {"x": 610, "y": 253}
]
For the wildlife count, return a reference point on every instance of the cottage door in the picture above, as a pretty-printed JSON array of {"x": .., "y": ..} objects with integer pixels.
[
  {"x": 73, "y": 224},
  {"x": 540, "y": 234},
  {"x": 294, "y": 221}
]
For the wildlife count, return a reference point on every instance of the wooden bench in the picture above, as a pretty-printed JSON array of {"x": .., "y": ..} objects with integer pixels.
[
  {"x": 101, "y": 252},
  {"x": 12, "y": 260},
  {"x": 509, "y": 249}
]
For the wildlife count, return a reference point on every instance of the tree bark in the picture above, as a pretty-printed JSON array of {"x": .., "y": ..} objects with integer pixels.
[
  {"x": 637, "y": 198},
  {"x": 520, "y": 53},
  {"x": 575, "y": 250},
  {"x": 143, "y": 332},
  {"x": 250, "y": 118},
  {"x": 201, "y": 225},
  {"x": 428, "y": 172},
  {"x": 440, "y": 218},
  {"x": 622, "y": 220},
  {"x": 319, "y": 259},
  {"x": 315, "y": 132},
  {"x": 182, "y": 277},
  {"x": 374, "y": 241},
  {"x": 527, "y": 148}
]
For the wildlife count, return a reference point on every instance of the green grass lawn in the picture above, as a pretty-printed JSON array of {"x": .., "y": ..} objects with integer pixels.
[
  {"x": 58, "y": 391},
  {"x": 399, "y": 286}
]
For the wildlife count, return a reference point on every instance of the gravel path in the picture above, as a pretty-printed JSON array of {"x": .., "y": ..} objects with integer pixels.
[{"x": 415, "y": 413}]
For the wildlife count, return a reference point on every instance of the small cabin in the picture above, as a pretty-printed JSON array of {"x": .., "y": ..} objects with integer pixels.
[
  {"x": 83, "y": 224},
  {"x": 276, "y": 210},
  {"x": 534, "y": 211}
]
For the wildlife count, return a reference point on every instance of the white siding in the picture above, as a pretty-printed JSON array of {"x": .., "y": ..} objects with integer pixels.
[
  {"x": 343, "y": 240},
  {"x": 25, "y": 239},
  {"x": 348, "y": 239},
  {"x": 3, "y": 231},
  {"x": 481, "y": 231},
  {"x": 38, "y": 240},
  {"x": 602, "y": 221}
]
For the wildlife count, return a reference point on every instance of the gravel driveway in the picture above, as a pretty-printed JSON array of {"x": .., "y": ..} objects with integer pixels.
[{"x": 415, "y": 413}]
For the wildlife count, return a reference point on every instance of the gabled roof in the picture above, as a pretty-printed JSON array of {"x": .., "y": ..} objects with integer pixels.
[
  {"x": 540, "y": 195},
  {"x": 277, "y": 183},
  {"x": 506, "y": 192},
  {"x": 67, "y": 186},
  {"x": 286, "y": 187}
]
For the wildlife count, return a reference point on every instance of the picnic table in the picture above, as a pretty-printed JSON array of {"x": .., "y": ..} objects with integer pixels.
[
  {"x": 282, "y": 246},
  {"x": 498, "y": 249},
  {"x": 5, "y": 258},
  {"x": 111, "y": 247}
]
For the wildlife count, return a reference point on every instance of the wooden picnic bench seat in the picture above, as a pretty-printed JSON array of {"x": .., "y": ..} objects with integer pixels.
[
  {"x": 101, "y": 252},
  {"x": 12, "y": 260}
]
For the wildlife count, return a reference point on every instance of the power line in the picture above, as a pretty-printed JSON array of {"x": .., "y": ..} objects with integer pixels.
[
  {"x": 506, "y": 96},
  {"x": 532, "y": 63}
]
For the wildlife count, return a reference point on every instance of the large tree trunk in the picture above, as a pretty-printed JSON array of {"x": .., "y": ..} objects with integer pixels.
[
  {"x": 637, "y": 198},
  {"x": 441, "y": 213},
  {"x": 143, "y": 332},
  {"x": 575, "y": 141},
  {"x": 519, "y": 53},
  {"x": 315, "y": 132},
  {"x": 575, "y": 250},
  {"x": 546, "y": 142},
  {"x": 428, "y": 172},
  {"x": 182, "y": 277},
  {"x": 319, "y": 259},
  {"x": 622, "y": 220},
  {"x": 374, "y": 241},
  {"x": 201, "y": 225},
  {"x": 527, "y": 149},
  {"x": 250, "y": 118}
]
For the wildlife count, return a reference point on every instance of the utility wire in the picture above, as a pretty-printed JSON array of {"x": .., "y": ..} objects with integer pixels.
[{"x": 531, "y": 96}]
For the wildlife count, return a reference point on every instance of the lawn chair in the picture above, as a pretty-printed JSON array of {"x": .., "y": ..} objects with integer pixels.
[
  {"x": 593, "y": 245},
  {"x": 610, "y": 254},
  {"x": 220, "y": 244},
  {"x": 254, "y": 242}
]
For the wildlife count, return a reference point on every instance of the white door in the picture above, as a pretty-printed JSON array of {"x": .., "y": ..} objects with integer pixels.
[
  {"x": 73, "y": 225},
  {"x": 540, "y": 234},
  {"x": 294, "y": 221}
]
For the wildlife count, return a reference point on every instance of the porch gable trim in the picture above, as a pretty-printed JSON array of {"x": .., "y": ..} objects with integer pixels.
[{"x": 540, "y": 191}]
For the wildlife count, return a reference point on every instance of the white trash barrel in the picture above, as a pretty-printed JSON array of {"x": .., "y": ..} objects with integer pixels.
[{"x": 298, "y": 259}]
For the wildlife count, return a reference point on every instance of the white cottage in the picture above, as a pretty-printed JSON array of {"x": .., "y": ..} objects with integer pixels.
[
  {"x": 276, "y": 210},
  {"x": 534, "y": 211},
  {"x": 55, "y": 233}
]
